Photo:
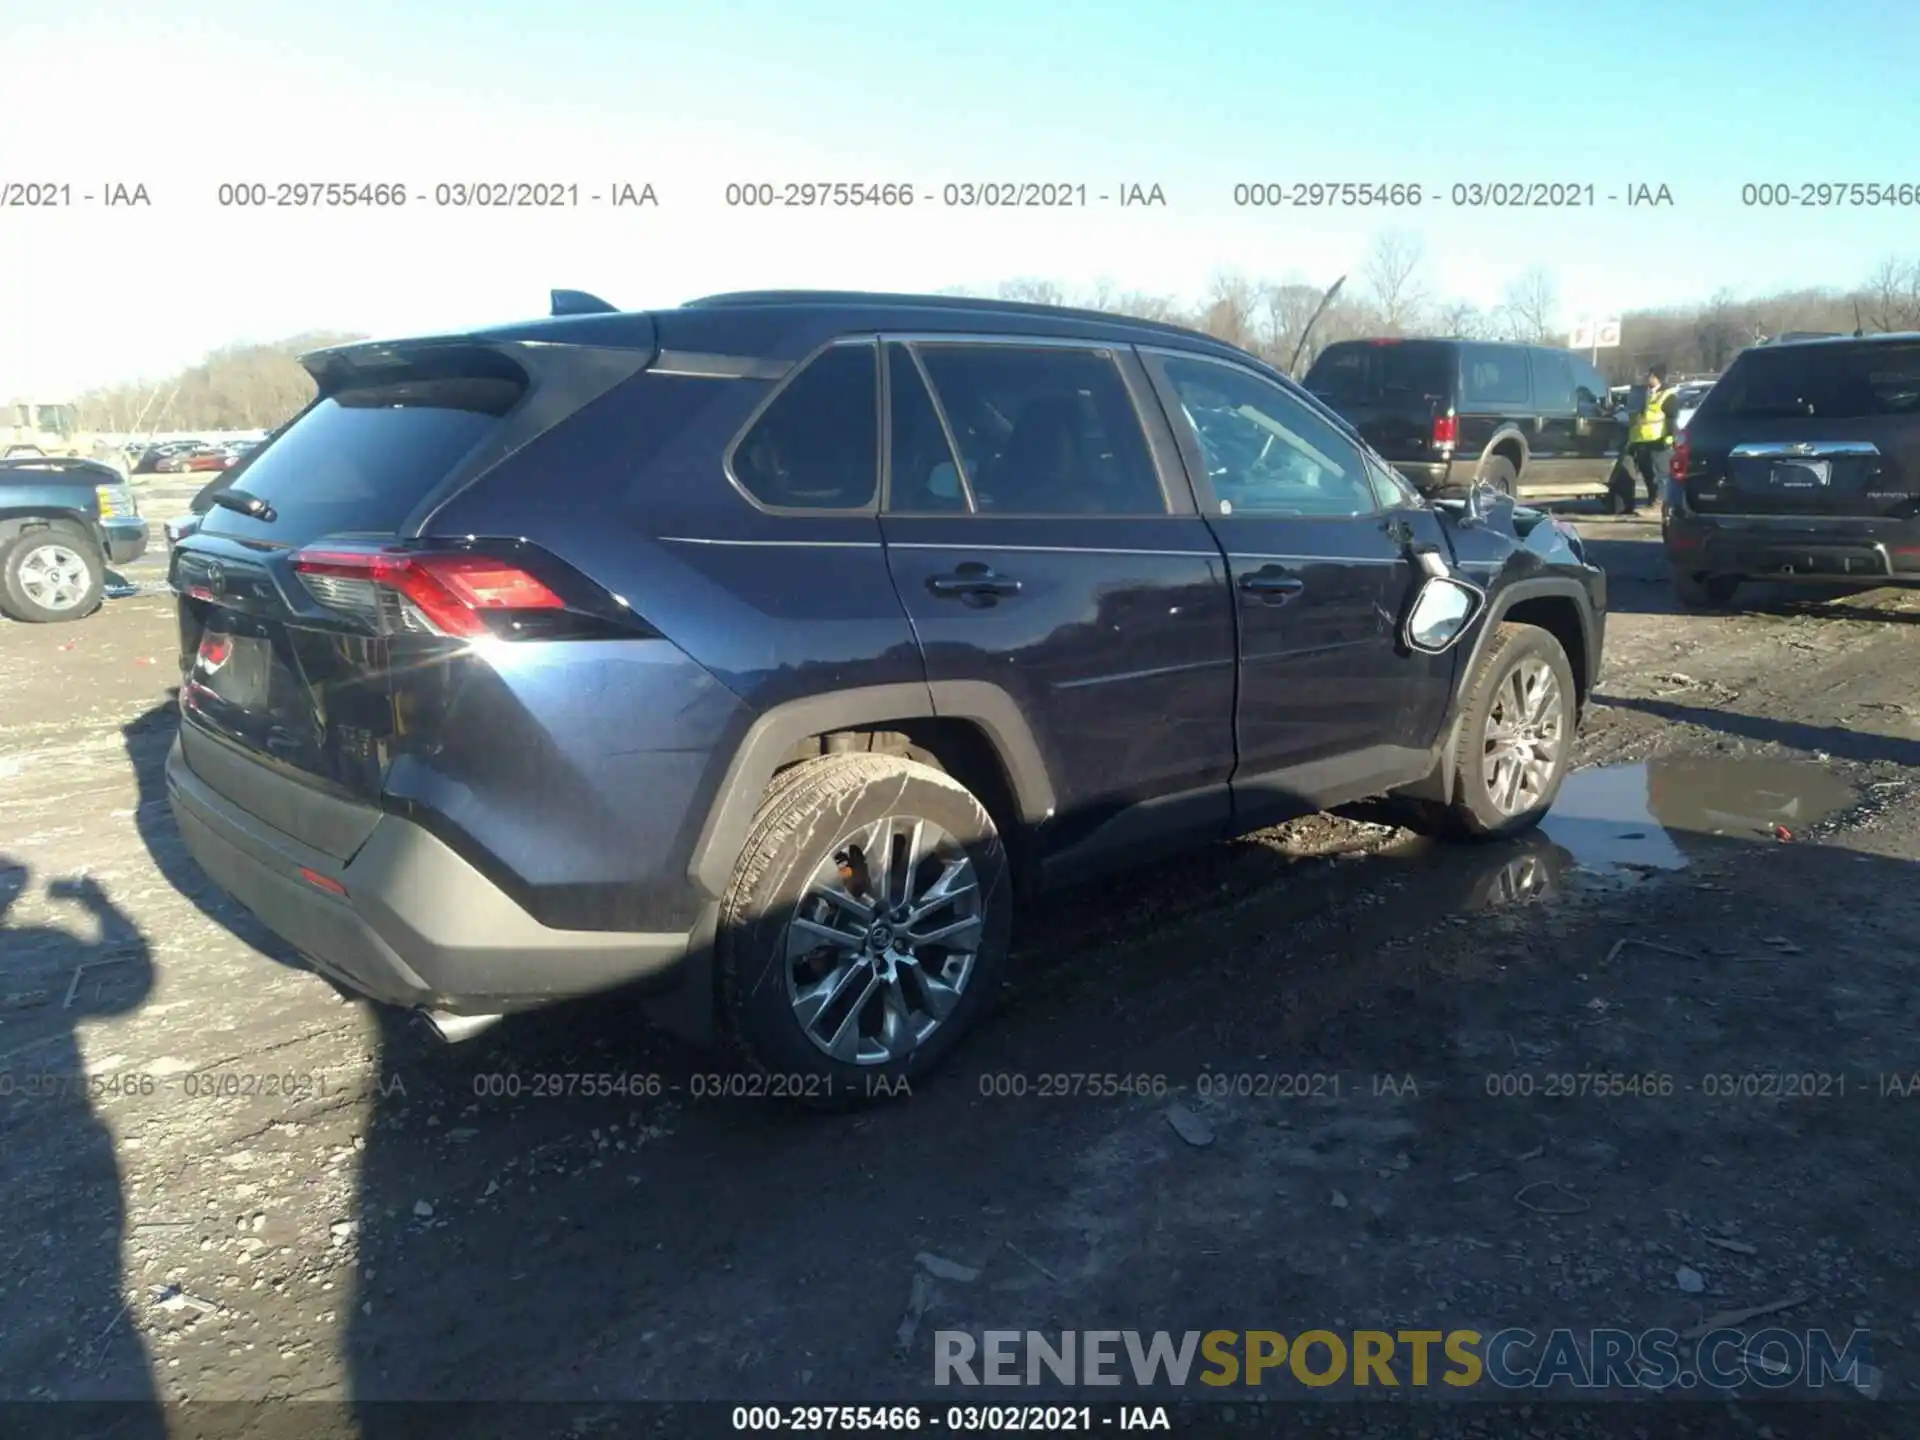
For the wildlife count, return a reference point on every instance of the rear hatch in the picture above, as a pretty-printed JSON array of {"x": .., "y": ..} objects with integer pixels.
[
  {"x": 1391, "y": 391},
  {"x": 322, "y": 627},
  {"x": 1823, "y": 429}
]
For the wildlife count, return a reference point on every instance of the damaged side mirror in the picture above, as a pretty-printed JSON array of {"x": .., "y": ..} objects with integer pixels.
[{"x": 1442, "y": 611}]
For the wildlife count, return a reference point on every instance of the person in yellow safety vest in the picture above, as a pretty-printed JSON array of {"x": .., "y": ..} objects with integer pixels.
[{"x": 1652, "y": 433}]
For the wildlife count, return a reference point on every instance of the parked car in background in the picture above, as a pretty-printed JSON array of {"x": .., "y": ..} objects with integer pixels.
[
  {"x": 62, "y": 522},
  {"x": 1802, "y": 463},
  {"x": 1527, "y": 420},
  {"x": 1688, "y": 394},
  {"x": 213, "y": 457},
  {"x": 613, "y": 648},
  {"x": 154, "y": 457}
]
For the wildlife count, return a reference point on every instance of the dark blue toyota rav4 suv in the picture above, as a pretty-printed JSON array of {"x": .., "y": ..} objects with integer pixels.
[{"x": 766, "y": 650}]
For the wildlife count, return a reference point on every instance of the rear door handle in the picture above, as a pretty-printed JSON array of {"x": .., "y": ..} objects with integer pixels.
[
  {"x": 1271, "y": 585},
  {"x": 973, "y": 580}
]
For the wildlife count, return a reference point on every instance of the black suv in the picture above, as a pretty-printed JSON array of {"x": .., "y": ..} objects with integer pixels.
[
  {"x": 764, "y": 650},
  {"x": 62, "y": 522},
  {"x": 1802, "y": 463},
  {"x": 1525, "y": 419}
]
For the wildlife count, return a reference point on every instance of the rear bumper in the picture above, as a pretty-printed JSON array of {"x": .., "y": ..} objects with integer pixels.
[
  {"x": 124, "y": 540},
  {"x": 1795, "y": 547},
  {"x": 417, "y": 926}
]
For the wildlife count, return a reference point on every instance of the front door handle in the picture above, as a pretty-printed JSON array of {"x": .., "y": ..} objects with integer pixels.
[
  {"x": 1271, "y": 585},
  {"x": 973, "y": 581}
]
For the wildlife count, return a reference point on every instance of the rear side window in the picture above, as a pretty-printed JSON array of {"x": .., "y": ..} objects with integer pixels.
[
  {"x": 1552, "y": 381},
  {"x": 1493, "y": 375},
  {"x": 1819, "y": 382},
  {"x": 817, "y": 445},
  {"x": 1342, "y": 375},
  {"x": 925, "y": 477},
  {"x": 1044, "y": 430},
  {"x": 359, "y": 461}
]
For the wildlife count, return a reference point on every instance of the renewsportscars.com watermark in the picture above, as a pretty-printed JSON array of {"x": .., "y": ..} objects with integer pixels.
[{"x": 1442, "y": 1360}]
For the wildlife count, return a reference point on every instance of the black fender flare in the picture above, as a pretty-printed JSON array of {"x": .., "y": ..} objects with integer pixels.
[
  {"x": 1437, "y": 785},
  {"x": 774, "y": 733},
  {"x": 1508, "y": 432},
  {"x": 13, "y": 526}
]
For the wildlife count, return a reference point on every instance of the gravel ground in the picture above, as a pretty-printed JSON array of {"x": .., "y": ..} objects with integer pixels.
[{"x": 262, "y": 1189}]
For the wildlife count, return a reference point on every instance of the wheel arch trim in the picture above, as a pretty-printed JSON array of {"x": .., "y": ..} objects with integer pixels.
[{"x": 774, "y": 733}]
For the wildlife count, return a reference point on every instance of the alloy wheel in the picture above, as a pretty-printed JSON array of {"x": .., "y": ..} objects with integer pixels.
[
  {"x": 883, "y": 940},
  {"x": 1526, "y": 729},
  {"x": 54, "y": 577}
]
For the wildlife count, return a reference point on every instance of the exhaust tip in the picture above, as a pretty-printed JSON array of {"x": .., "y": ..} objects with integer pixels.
[{"x": 455, "y": 1028}]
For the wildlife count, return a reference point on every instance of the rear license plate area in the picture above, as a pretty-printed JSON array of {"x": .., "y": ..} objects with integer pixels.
[{"x": 1801, "y": 474}]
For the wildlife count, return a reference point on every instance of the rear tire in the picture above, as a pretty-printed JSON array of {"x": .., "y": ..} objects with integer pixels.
[
  {"x": 877, "y": 1001},
  {"x": 1497, "y": 472},
  {"x": 1515, "y": 740},
  {"x": 1704, "y": 592},
  {"x": 52, "y": 574}
]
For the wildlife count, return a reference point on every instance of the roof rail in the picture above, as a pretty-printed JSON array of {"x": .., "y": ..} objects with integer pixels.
[
  {"x": 746, "y": 298},
  {"x": 579, "y": 302}
]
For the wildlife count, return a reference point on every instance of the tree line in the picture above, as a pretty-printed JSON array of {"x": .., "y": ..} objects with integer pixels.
[
  {"x": 255, "y": 387},
  {"x": 239, "y": 387},
  {"x": 1388, "y": 294}
]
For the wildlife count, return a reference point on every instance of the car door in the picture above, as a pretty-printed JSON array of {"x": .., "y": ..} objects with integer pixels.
[
  {"x": 1553, "y": 461},
  {"x": 1044, "y": 542},
  {"x": 1599, "y": 434},
  {"x": 1496, "y": 401},
  {"x": 1329, "y": 707}
]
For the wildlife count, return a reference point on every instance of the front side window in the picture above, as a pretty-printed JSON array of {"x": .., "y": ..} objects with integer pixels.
[
  {"x": 1265, "y": 451},
  {"x": 1493, "y": 375},
  {"x": 1589, "y": 389},
  {"x": 817, "y": 446},
  {"x": 1042, "y": 430}
]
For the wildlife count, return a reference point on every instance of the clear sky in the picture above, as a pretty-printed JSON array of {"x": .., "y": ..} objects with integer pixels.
[{"x": 182, "y": 95}]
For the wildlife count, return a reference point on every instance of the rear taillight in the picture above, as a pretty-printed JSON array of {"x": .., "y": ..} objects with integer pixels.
[
  {"x": 1681, "y": 458},
  {"x": 453, "y": 593},
  {"x": 1446, "y": 431}
]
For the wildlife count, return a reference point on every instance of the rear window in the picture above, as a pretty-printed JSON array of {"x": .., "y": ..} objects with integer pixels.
[
  {"x": 1362, "y": 372},
  {"x": 1819, "y": 382},
  {"x": 360, "y": 460}
]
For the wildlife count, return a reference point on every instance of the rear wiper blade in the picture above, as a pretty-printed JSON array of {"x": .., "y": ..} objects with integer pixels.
[{"x": 246, "y": 504}]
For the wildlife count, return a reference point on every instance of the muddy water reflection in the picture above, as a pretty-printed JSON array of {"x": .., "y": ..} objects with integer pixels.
[{"x": 1620, "y": 818}]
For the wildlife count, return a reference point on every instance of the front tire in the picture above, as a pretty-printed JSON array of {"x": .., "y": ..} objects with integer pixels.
[
  {"x": 1516, "y": 736},
  {"x": 865, "y": 930},
  {"x": 51, "y": 574}
]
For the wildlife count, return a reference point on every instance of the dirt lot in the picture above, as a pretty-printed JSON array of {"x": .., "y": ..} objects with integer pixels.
[{"x": 177, "y": 1226}]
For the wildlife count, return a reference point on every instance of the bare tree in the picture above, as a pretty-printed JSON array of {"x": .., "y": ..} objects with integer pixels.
[
  {"x": 1230, "y": 310},
  {"x": 1034, "y": 292},
  {"x": 1529, "y": 305},
  {"x": 1461, "y": 319},
  {"x": 1892, "y": 298},
  {"x": 1289, "y": 309},
  {"x": 1391, "y": 273}
]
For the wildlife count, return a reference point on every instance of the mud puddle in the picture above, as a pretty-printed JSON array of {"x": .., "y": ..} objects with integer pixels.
[{"x": 1616, "y": 820}]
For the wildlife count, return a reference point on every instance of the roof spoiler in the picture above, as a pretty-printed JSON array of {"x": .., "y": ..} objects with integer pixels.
[{"x": 579, "y": 302}]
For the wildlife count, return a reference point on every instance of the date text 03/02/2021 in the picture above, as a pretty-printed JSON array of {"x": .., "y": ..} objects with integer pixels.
[{"x": 956, "y": 1419}]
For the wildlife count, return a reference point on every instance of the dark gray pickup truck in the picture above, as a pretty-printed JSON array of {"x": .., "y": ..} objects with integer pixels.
[{"x": 62, "y": 522}]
